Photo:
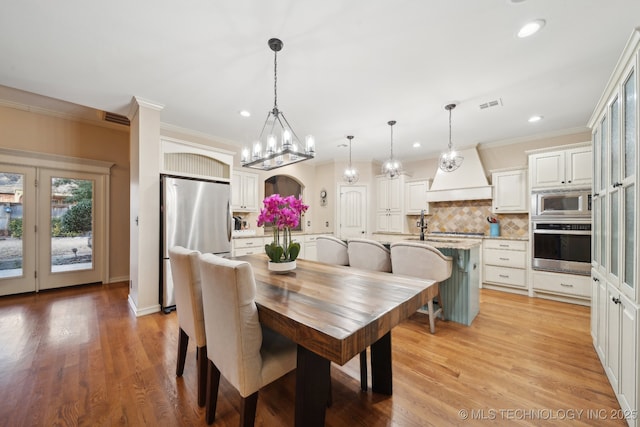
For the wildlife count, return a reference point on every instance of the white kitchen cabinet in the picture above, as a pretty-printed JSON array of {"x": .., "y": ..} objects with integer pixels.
[
  {"x": 244, "y": 191},
  {"x": 562, "y": 286},
  {"x": 310, "y": 247},
  {"x": 249, "y": 245},
  {"x": 390, "y": 209},
  {"x": 614, "y": 126},
  {"x": 504, "y": 264},
  {"x": 416, "y": 196},
  {"x": 510, "y": 192},
  {"x": 563, "y": 168}
]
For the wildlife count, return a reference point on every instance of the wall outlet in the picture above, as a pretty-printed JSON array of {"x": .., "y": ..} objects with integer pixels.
[
  {"x": 326, "y": 224},
  {"x": 308, "y": 223}
]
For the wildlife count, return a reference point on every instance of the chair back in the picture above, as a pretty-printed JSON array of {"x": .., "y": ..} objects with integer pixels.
[
  {"x": 185, "y": 272},
  {"x": 332, "y": 250},
  {"x": 369, "y": 255},
  {"x": 234, "y": 334},
  {"x": 420, "y": 260}
]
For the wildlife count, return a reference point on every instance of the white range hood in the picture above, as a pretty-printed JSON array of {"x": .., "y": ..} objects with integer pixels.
[{"x": 468, "y": 182}]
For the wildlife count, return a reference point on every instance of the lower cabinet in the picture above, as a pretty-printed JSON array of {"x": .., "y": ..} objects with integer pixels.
[
  {"x": 505, "y": 264},
  {"x": 614, "y": 327},
  {"x": 310, "y": 247},
  {"x": 249, "y": 245},
  {"x": 571, "y": 288}
]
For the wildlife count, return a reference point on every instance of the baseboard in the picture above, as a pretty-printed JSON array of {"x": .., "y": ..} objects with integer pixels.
[
  {"x": 142, "y": 312},
  {"x": 118, "y": 279}
]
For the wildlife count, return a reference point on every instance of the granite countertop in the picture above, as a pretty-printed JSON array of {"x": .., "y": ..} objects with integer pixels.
[
  {"x": 251, "y": 236},
  {"x": 438, "y": 242}
]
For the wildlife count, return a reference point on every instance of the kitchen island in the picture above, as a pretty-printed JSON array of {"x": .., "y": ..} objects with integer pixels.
[{"x": 460, "y": 293}]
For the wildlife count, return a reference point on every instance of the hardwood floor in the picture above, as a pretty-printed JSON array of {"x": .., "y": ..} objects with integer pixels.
[{"x": 78, "y": 356}]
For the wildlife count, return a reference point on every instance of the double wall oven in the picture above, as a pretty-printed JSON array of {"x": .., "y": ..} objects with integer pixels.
[{"x": 561, "y": 226}]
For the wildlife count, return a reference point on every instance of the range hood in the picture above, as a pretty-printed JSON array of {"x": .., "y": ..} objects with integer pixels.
[{"x": 468, "y": 182}]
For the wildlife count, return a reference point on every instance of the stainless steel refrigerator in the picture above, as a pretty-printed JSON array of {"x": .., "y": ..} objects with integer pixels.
[{"x": 195, "y": 214}]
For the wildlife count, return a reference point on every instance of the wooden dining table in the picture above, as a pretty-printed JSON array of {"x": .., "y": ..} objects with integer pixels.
[{"x": 333, "y": 313}]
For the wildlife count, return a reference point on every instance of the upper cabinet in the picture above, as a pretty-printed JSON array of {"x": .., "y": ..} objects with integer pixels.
[
  {"x": 510, "y": 191},
  {"x": 390, "y": 204},
  {"x": 244, "y": 191},
  {"x": 416, "y": 196},
  {"x": 563, "y": 168}
]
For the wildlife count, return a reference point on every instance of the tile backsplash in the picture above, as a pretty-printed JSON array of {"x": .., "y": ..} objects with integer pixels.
[{"x": 470, "y": 216}]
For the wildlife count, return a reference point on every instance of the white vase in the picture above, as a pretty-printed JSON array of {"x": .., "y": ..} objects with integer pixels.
[{"x": 282, "y": 267}]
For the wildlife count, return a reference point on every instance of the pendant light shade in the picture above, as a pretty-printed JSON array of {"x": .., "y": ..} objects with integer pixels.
[
  {"x": 350, "y": 174},
  {"x": 279, "y": 145},
  {"x": 392, "y": 167},
  {"x": 450, "y": 160}
]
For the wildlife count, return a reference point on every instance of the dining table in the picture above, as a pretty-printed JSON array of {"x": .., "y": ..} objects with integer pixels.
[{"x": 333, "y": 313}]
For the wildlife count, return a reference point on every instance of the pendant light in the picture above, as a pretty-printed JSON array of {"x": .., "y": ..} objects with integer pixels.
[
  {"x": 450, "y": 160},
  {"x": 392, "y": 167},
  {"x": 350, "y": 175},
  {"x": 282, "y": 146}
]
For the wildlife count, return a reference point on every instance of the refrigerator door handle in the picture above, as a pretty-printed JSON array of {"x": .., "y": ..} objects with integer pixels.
[{"x": 229, "y": 221}]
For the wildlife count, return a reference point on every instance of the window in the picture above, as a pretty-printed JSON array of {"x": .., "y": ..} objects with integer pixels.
[{"x": 285, "y": 186}]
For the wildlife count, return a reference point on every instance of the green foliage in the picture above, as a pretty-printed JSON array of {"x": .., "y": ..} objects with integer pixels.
[
  {"x": 294, "y": 250},
  {"x": 15, "y": 228},
  {"x": 274, "y": 251},
  {"x": 77, "y": 219}
]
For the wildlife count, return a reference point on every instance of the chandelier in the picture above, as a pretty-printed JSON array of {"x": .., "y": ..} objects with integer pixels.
[
  {"x": 282, "y": 146},
  {"x": 350, "y": 174},
  {"x": 392, "y": 167},
  {"x": 450, "y": 160}
]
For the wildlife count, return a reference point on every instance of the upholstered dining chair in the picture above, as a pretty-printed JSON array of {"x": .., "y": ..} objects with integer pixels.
[
  {"x": 367, "y": 254},
  {"x": 332, "y": 250},
  {"x": 426, "y": 262},
  {"x": 185, "y": 271},
  {"x": 247, "y": 354}
]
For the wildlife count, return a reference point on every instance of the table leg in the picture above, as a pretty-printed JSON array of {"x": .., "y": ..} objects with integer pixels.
[
  {"x": 313, "y": 379},
  {"x": 381, "y": 376}
]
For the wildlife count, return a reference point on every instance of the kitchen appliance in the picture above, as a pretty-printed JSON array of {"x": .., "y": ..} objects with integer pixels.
[
  {"x": 195, "y": 214},
  {"x": 561, "y": 203},
  {"x": 237, "y": 223},
  {"x": 563, "y": 246}
]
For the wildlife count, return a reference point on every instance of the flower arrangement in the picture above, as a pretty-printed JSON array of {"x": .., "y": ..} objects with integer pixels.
[{"x": 284, "y": 213}]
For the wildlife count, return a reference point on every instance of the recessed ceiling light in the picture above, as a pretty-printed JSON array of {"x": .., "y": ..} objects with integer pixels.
[
  {"x": 416, "y": 145},
  {"x": 530, "y": 28},
  {"x": 534, "y": 119},
  {"x": 245, "y": 113}
]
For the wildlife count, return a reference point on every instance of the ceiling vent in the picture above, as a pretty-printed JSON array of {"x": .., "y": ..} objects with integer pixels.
[
  {"x": 490, "y": 104},
  {"x": 116, "y": 118}
]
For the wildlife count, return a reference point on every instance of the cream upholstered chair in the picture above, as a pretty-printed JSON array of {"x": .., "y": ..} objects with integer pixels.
[
  {"x": 248, "y": 355},
  {"x": 185, "y": 271},
  {"x": 332, "y": 250},
  {"x": 369, "y": 255},
  {"x": 426, "y": 262}
]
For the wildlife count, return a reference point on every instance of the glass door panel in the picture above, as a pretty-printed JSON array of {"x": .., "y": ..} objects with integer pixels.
[
  {"x": 71, "y": 224},
  {"x": 615, "y": 141},
  {"x": 629, "y": 236},
  {"x": 630, "y": 126},
  {"x": 17, "y": 232}
]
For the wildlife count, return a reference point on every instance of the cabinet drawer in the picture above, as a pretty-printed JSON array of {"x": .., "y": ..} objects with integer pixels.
[
  {"x": 311, "y": 238},
  {"x": 562, "y": 283},
  {"x": 504, "y": 258},
  {"x": 248, "y": 243},
  {"x": 512, "y": 245},
  {"x": 505, "y": 275},
  {"x": 248, "y": 251}
]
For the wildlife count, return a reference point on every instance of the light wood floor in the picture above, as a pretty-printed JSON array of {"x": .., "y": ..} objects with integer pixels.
[{"x": 79, "y": 357}]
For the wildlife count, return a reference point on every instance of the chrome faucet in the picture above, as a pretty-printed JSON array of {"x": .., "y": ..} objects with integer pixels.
[{"x": 422, "y": 224}]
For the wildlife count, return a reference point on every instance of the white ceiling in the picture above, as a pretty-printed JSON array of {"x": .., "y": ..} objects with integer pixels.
[{"x": 347, "y": 67}]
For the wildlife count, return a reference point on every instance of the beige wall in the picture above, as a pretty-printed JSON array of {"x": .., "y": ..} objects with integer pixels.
[{"x": 29, "y": 131}]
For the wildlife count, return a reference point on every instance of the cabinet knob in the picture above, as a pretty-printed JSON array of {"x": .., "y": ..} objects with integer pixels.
[
  {"x": 562, "y": 182},
  {"x": 595, "y": 279},
  {"x": 504, "y": 259},
  {"x": 569, "y": 182},
  {"x": 616, "y": 300},
  {"x": 566, "y": 285}
]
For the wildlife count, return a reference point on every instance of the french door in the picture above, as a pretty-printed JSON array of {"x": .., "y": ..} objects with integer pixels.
[{"x": 52, "y": 226}]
